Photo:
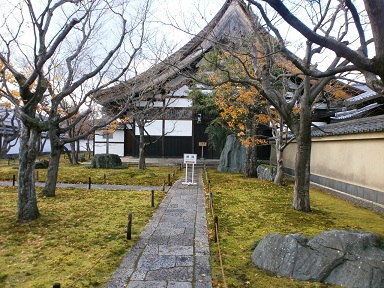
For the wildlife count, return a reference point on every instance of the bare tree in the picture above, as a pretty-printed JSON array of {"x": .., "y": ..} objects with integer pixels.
[
  {"x": 313, "y": 83},
  {"x": 355, "y": 49},
  {"x": 270, "y": 68},
  {"x": 145, "y": 110},
  {"x": 55, "y": 50}
]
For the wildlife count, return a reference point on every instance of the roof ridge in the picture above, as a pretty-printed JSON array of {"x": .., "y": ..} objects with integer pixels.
[{"x": 174, "y": 63}]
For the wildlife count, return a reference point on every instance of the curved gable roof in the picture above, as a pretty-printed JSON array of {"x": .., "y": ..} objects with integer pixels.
[{"x": 234, "y": 19}]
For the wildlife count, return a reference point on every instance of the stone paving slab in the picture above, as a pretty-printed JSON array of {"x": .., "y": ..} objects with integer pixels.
[{"x": 173, "y": 249}]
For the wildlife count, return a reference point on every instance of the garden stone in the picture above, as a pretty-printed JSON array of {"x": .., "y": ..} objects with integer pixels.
[
  {"x": 232, "y": 157},
  {"x": 106, "y": 161},
  {"x": 42, "y": 164},
  {"x": 348, "y": 258},
  {"x": 266, "y": 172}
]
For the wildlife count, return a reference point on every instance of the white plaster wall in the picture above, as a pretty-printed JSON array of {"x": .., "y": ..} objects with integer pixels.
[
  {"x": 118, "y": 136},
  {"x": 172, "y": 128},
  {"x": 182, "y": 91},
  {"x": 178, "y": 128},
  {"x": 179, "y": 102},
  {"x": 356, "y": 159},
  {"x": 154, "y": 128},
  {"x": 114, "y": 148},
  {"x": 116, "y": 144}
]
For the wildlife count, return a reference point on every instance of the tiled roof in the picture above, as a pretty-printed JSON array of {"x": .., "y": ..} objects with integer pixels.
[
  {"x": 363, "y": 125},
  {"x": 365, "y": 96},
  {"x": 354, "y": 113}
]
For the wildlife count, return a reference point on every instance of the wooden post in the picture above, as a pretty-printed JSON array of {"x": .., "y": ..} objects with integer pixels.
[
  {"x": 169, "y": 179},
  {"x": 209, "y": 186},
  {"x": 37, "y": 175},
  {"x": 152, "y": 198},
  {"x": 105, "y": 178},
  {"x": 210, "y": 200},
  {"x": 216, "y": 221},
  {"x": 89, "y": 182},
  {"x": 13, "y": 180},
  {"x": 129, "y": 227},
  {"x": 164, "y": 185},
  {"x": 56, "y": 285}
]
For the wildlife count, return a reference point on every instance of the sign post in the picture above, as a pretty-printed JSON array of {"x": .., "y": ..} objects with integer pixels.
[
  {"x": 202, "y": 145},
  {"x": 190, "y": 159}
]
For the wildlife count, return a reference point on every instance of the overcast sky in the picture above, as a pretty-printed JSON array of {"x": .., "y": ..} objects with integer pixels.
[{"x": 190, "y": 15}]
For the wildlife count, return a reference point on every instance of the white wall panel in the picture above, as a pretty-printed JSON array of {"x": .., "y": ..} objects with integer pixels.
[
  {"x": 114, "y": 148},
  {"x": 154, "y": 129},
  {"x": 183, "y": 91},
  {"x": 173, "y": 127},
  {"x": 178, "y": 127},
  {"x": 179, "y": 102}
]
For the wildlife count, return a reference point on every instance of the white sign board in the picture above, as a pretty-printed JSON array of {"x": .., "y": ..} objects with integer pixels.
[{"x": 190, "y": 158}]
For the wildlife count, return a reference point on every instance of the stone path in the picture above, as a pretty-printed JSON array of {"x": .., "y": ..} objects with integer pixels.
[{"x": 173, "y": 249}]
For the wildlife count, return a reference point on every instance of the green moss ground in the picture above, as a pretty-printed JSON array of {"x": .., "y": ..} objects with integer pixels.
[
  {"x": 152, "y": 176},
  {"x": 250, "y": 209},
  {"x": 79, "y": 240}
]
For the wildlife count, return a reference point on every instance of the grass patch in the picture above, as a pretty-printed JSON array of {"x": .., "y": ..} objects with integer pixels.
[
  {"x": 152, "y": 176},
  {"x": 79, "y": 240},
  {"x": 250, "y": 209}
]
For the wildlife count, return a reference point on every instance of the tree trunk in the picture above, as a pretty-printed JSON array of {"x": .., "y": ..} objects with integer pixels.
[
  {"x": 89, "y": 150},
  {"x": 375, "y": 11},
  {"x": 53, "y": 168},
  {"x": 302, "y": 176},
  {"x": 279, "y": 178},
  {"x": 303, "y": 157},
  {"x": 73, "y": 159},
  {"x": 142, "y": 165},
  {"x": 27, "y": 209},
  {"x": 250, "y": 167}
]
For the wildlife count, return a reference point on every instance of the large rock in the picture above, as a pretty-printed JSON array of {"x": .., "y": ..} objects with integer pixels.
[
  {"x": 348, "y": 258},
  {"x": 266, "y": 172},
  {"x": 42, "y": 164},
  {"x": 106, "y": 161},
  {"x": 232, "y": 157}
]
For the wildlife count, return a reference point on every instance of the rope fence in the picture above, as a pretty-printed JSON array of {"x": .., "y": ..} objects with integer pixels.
[
  {"x": 128, "y": 231},
  {"x": 169, "y": 182},
  {"x": 215, "y": 220}
]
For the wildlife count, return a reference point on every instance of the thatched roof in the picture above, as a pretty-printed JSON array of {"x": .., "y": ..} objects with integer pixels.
[{"x": 233, "y": 20}]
